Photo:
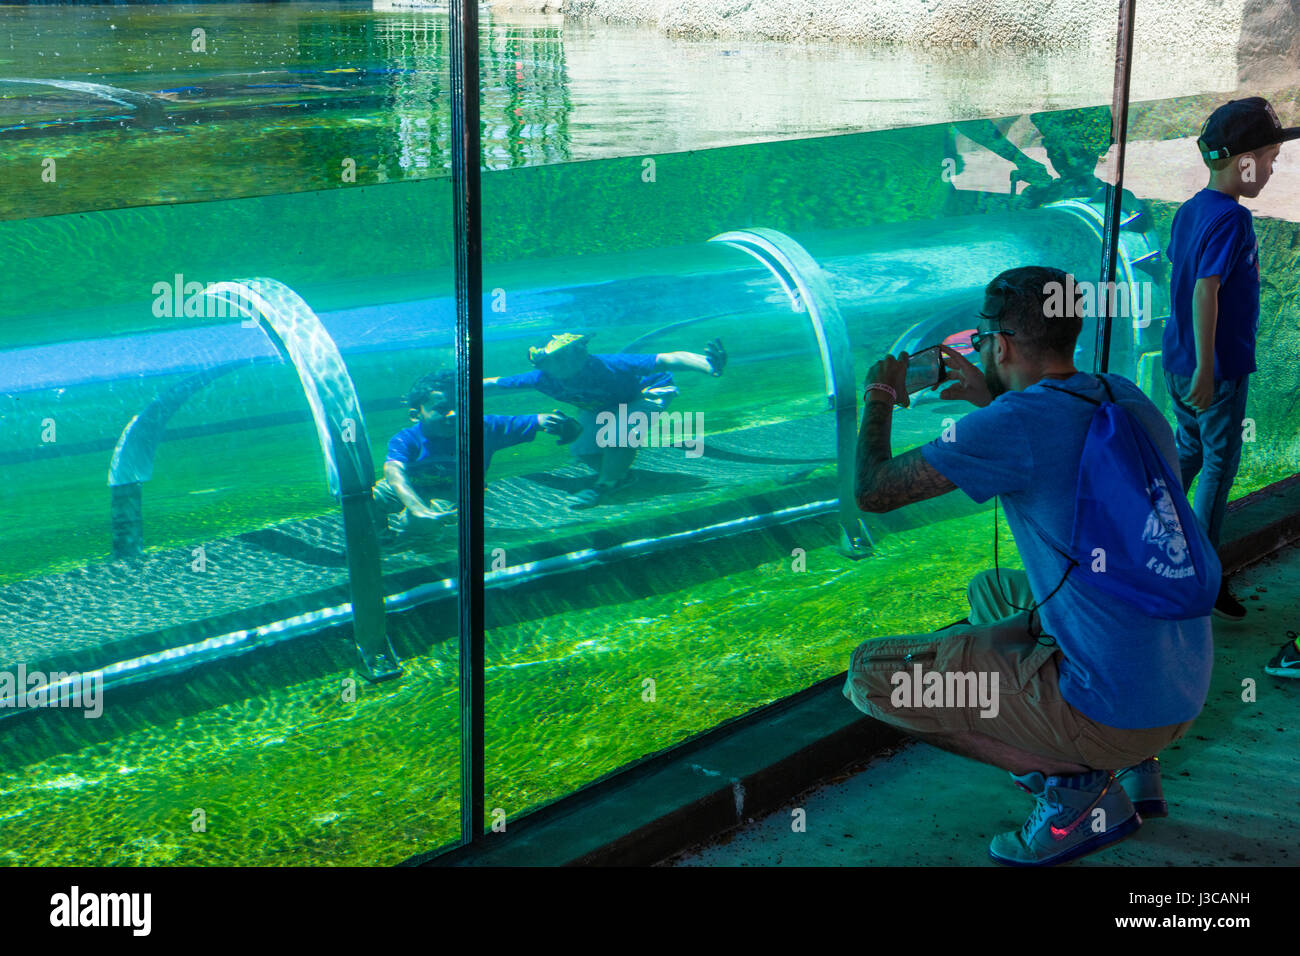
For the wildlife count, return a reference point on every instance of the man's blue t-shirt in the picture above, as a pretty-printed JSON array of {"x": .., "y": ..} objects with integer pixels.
[
  {"x": 1214, "y": 235},
  {"x": 432, "y": 460},
  {"x": 603, "y": 382},
  {"x": 1119, "y": 667}
]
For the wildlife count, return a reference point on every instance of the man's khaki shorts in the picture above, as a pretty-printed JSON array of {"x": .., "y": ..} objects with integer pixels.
[{"x": 1031, "y": 714}]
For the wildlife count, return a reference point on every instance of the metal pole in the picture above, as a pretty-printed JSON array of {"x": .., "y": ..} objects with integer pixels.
[
  {"x": 465, "y": 184},
  {"x": 1115, "y": 191}
]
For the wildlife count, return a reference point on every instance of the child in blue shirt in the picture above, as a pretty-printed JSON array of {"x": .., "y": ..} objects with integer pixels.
[
  {"x": 419, "y": 480},
  {"x": 564, "y": 369},
  {"x": 1209, "y": 340}
]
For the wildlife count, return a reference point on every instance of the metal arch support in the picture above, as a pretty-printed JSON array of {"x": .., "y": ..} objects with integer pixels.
[
  {"x": 298, "y": 335},
  {"x": 805, "y": 283},
  {"x": 133, "y": 456},
  {"x": 302, "y": 341},
  {"x": 1132, "y": 248}
]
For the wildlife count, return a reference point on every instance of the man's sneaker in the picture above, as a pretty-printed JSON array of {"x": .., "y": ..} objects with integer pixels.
[
  {"x": 1065, "y": 823},
  {"x": 1228, "y": 607},
  {"x": 1286, "y": 662},
  {"x": 1142, "y": 784}
]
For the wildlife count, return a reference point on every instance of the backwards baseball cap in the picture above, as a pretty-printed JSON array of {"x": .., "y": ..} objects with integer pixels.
[
  {"x": 1240, "y": 126},
  {"x": 558, "y": 343}
]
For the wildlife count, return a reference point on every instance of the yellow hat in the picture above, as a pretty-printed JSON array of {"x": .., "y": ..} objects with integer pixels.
[{"x": 558, "y": 343}]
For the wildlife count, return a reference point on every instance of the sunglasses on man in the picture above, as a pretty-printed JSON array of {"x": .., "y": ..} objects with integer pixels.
[{"x": 977, "y": 337}]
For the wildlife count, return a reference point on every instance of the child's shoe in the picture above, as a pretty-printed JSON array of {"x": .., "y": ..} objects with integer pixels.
[{"x": 1286, "y": 662}]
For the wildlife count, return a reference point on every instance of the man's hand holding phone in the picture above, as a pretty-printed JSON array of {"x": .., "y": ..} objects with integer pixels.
[
  {"x": 892, "y": 372},
  {"x": 970, "y": 385}
]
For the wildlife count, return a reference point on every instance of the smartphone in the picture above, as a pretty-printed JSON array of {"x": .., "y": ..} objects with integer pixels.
[{"x": 925, "y": 369}]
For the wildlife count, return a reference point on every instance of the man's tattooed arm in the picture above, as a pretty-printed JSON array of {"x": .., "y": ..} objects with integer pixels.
[{"x": 884, "y": 483}]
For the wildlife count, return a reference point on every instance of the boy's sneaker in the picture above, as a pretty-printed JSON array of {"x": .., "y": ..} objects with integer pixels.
[
  {"x": 587, "y": 497},
  {"x": 1286, "y": 662},
  {"x": 1228, "y": 607},
  {"x": 1142, "y": 784},
  {"x": 599, "y": 493},
  {"x": 1065, "y": 823}
]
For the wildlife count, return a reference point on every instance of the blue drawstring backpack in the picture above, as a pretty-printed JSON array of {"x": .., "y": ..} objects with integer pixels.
[{"x": 1132, "y": 519}]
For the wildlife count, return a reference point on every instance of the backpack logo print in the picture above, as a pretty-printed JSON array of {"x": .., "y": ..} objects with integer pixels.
[{"x": 1162, "y": 526}]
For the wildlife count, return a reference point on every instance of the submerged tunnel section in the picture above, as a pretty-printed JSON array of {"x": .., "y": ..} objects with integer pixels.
[{"x": 229, "y": 541}]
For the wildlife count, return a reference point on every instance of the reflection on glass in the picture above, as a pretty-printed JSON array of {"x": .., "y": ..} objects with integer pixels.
[
  {"x": 417, "y": 493},
  {"x": 182, "y": 479},
  {"x": 623, "y": 401},
  {"x": 671, "y": 563}
]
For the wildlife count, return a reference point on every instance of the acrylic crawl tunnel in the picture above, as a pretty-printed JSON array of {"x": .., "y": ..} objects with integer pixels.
[{"x": 250, "y": 386}]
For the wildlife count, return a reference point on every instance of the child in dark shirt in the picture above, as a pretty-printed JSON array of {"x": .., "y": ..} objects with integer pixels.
[
  {"x": 563, "y": 369},
  {"x": 1209, "y": 340},
  {"x": 419, "y": 482}
]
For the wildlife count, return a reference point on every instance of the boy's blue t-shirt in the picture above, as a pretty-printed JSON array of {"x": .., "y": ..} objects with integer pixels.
[
  {"x": 1119, "y": 667},
  {"x": 604, "y": 381},
  {"x": 432, "y": 460},
  {"x": 1214, "y": 235}
]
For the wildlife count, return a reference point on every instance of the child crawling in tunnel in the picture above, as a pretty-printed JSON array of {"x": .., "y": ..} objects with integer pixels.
[
  {"x": 565, "y": 370},
  {"x": 419, "y": 483}
]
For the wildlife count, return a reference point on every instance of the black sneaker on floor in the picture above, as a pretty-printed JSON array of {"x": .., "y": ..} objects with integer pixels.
[
  {"x": 1286, "y": 662},
  {"x": 1228, "y": 607}
]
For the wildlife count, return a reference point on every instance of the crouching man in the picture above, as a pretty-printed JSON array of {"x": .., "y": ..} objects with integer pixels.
[{"x": 1089, "y": 689}]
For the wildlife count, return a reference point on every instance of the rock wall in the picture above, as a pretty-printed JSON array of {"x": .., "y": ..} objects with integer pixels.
[
  {"x": 1186, "y": 24},
  {"x": 1268, "y": 49}
]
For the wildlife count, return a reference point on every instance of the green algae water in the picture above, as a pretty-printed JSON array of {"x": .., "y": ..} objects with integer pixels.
[
  {"x": 178, "y": 170},
  {"x": 288, "y": 773}
]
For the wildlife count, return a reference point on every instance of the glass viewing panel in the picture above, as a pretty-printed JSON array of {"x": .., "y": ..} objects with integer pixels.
[
  {"x": 651, "y": 201},
  {"x": 652, "y": 578},
  {"x": 1171, "y": 99},
  {"x": 198, "y": 394}
]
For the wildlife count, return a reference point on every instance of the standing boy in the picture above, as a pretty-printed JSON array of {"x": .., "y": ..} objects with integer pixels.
[{"x": 1209, "y": 340}]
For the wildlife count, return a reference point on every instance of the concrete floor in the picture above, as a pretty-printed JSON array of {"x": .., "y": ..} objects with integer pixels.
[{"x": 1233, "y": 783}]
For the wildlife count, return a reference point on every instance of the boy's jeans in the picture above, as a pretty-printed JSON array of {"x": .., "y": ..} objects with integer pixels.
[{"x": 1209, "y": 442}]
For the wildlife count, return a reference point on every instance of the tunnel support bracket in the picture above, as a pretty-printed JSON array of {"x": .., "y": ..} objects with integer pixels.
[
  {"x": 298, "y": 335},
  {"x": 805, "y": 283},
  {"x": 302, "y": 341}
]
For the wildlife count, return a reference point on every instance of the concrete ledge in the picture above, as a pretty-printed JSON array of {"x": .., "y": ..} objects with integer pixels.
[
  {"x": 691, "y": 792},
  {"x": 1260, "y": 523}
]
